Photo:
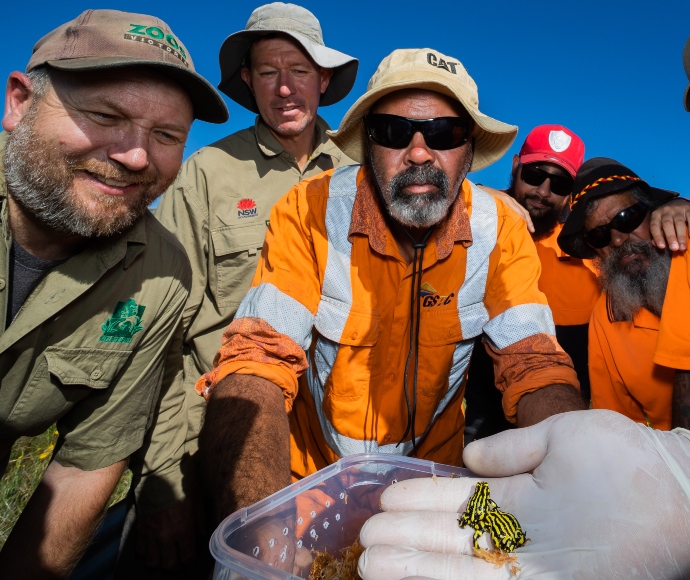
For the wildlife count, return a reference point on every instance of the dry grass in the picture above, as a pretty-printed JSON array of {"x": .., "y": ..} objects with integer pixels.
[{"x": 29, "y": 459}]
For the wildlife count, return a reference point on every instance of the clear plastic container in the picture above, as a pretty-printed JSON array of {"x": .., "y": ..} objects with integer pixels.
[{"x": 273, "y": 538}]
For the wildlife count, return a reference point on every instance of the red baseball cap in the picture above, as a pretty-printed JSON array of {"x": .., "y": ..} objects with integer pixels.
[{"x": 555, "y": 144}]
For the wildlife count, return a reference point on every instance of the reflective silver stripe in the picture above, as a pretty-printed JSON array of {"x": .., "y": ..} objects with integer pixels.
[
  {"x": 336, "y": 298},
  {"x": 324, "y": 359},
  {"x": 285, "y": 314},
  {"x": 519, "y": 322},
  {"x": 484, "y": 226}
]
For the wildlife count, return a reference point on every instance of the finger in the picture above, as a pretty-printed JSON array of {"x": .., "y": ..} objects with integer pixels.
[
  {"x": 530, "y": 225},
  {"x": 395, "y": 562},
  {"x": 510, "y": 452},
  {"x": 681, "y": 231},
  {"x": 669, "y": 227},
  {"x": 656, "y": 232},
  {"x": 446, "y": 494},
  {"x": 425, "y": 531}
]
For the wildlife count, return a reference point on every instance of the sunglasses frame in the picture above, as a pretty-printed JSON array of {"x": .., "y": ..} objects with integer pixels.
[
  {"x": 615, "y": 224},
  {"x": 423, "y": 126},
  {"x": 546, "y": 175}
]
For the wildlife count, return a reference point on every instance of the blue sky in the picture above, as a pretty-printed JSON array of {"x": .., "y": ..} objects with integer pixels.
[{"x": 610, "y": 71}]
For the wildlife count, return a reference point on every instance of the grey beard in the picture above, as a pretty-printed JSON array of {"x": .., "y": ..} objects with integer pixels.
[
  {"x": 419, "y": 210},
  {"x": 629, "y": 287},
  {"x": 40, "y": 178}
]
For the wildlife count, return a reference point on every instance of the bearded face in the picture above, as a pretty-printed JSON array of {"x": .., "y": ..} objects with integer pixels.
[
  {"x": 635, "y": 276},
  {"x": 40, "y": 177}
]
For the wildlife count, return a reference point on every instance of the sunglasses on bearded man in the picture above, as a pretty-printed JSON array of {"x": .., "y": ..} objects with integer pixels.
[
  {"x": 625, "y": 222},
  {"x": 394, "y": 132},
  {"x": 559, "y": 184}
]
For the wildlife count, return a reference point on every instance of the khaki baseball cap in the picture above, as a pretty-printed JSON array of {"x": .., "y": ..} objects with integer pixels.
[
  {"x": 102, "y": 39},
  {"x": 301, "y": 25},
  {"x": 425, "y": 68}
]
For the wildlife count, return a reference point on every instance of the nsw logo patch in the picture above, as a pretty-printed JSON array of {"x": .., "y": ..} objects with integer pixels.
[{"x": 246, "y": 208}]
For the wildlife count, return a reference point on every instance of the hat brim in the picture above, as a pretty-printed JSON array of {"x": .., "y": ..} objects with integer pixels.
[
  {"x": 207, "y": 102},
  {"x": 234, "y": 50},
  {"x": 537, "y": 157},
  {"x": 492, "y": 138},
  {"x": 571, "y": 239},
  {"x": 686, "y": 98}
]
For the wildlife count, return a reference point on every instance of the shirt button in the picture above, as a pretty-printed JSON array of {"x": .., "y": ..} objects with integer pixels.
[
  {"x": 391, "y": 376},
  {"x": 387, "y": 438},
  {"x": 97, "y": 374},
  {"x": 2, "y": 284},
  {"x": 354, "y": 335}
]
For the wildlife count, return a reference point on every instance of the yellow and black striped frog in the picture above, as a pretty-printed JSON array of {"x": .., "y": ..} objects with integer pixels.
[{"x": 483, "y": 515}]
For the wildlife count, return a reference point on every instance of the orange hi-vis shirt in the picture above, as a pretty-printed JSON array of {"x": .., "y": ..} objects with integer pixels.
[
  {"x": 570, "y": 284},
  {"x": 328, "y": 317},
  {"x": 632, "y": 365}
]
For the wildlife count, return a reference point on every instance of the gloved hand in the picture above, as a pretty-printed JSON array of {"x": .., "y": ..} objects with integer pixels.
[{"x": 598, "y": 495}]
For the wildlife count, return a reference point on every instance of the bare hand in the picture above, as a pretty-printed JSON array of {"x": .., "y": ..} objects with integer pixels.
[
  {"x": 512, "y": 204},
  {"x": 669, "y": 223},
  {"x": 167, "y": 539}
]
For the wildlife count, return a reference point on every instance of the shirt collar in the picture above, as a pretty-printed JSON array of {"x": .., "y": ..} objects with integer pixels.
[
  {"x": 368, "y": 219},
  {"x": 271, "y": 147}
]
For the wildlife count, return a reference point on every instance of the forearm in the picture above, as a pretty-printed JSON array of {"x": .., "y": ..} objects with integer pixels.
[
  {"x": 58, "y": 522},
  {"x": 538, "y": 405},
  {"x": 245, "y": 443},
  {"x": 680, "y": 406}
]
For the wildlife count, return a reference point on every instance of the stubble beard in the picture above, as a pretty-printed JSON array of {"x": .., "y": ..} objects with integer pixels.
[
  {"x": 419, "y": 210},
  {"x": 544, "y": 221},
  {"x": 40, "y": 178},
  {"x": 637, "y": 284}
]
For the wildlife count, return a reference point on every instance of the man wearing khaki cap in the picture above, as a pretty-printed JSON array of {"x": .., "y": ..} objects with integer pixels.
[
  {"x": 92, "y": 288},
  {"x": 373, "y": 282},
  {"x": 219, "y": 206}
]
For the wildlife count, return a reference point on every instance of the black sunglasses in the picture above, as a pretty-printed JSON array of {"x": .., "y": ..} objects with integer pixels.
[
  {"x": 396, "y": 132},
  {"x": 625, "y": 222},
  {"x": 560, "y": 185}
]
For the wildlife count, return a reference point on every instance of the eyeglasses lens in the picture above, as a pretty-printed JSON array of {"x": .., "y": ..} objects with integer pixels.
[
  {"x": 558, "y": 184},
  {"x": 396, "y": 132},
  {"x": 625, "y": 222}
]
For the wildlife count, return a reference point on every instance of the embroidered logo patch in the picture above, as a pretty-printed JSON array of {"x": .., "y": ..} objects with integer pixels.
[
  {"x": 432, "y": 298},
  {"x": 246, "y": 208},
  {"x": 154, "y": 36},
  {"x": 559, "y": 141},
  {"x": 124, "y": 323}
]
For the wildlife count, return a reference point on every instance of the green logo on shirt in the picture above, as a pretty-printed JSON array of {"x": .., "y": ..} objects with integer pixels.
[{"x": 124, "y": 323}]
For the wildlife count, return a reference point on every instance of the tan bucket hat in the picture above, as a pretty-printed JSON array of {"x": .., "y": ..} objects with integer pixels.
[
  {"x": 102, "y": 39},
  {"x": 301, "y": 25},
  {"x": 425, "y": 68}
]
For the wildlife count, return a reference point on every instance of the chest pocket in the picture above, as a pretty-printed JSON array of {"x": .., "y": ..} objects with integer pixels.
[
  {"x": 353, "y": 332},
  {"x": 94, "y": 368},
  {"x": 439, "y": 328},
  {"x": 77, "y": 370},
  {"x": 236, "y": 252}
]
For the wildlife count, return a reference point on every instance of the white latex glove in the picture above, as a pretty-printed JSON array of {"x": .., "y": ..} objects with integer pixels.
[{"x": 598, "y": 495}]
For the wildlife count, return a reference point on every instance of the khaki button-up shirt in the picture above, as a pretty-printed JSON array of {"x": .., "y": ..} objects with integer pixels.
[
  {"x": 88, "y": 347},
  {"x": 219, "y": 208}
]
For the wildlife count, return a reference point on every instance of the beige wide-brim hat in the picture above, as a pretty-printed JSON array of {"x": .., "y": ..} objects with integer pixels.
[
  {"x": 424, "y": 68},
  {"x": 302, "y": 26}
]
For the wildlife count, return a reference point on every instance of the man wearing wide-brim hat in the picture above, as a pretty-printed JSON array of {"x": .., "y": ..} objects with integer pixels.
[
  {"x": 638, "y": 336},
  {"x": 373, "y": 282},
  {"x": 219, "y": 207}
]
